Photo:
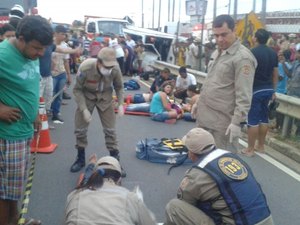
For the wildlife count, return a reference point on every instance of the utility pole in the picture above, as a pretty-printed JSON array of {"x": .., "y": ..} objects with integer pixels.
[
  {"x": 142, "y": 13},
  {"x": 263, "y": 11},
  {"x": 254, "y": 6},
  {"x": 235, "y": 9},
  {"x": 169, "y": 7},
  {"x": 229, "y": 7},
  {"x": 215, "y": 9},
  {"x": 173, "y": 11},
  {"x": 159, "y": 10},
  {"x": 153, "y": 7}
]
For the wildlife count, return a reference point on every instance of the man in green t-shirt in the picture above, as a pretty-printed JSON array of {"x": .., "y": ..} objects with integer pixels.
[{"x": 19, "y": 102}]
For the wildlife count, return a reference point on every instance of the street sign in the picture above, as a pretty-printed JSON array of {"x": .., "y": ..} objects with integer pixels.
[{"x": 196, "y": 7}]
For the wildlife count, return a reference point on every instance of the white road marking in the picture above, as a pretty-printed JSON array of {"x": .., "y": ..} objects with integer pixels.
[{"x": 275, "y": 163}]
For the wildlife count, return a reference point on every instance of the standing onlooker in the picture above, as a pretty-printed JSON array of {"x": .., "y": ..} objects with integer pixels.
[
  {"x": 15, "y": 15},
  {"x": 188, "y": 54},
  {"x": 46, "y": 83},
  {"x": 219, "y": 188},
  {"x": 100, "y": 198},
  {"x": 60, "y": 72},
  {"x": 129, "y": 56},
  {"x": 182, "y": 82},
  {"x": 209, "y": 48},
  {"x": 294, "y": 83},
  {"x": 19, "y": 103},
  {"x": 8, "y": 31},
  {"x": 139, "y": 50},
  {"x": 193, "y": 53},
  {"x": 284, "y": 70},
  {"x": 227, "y": 90},
  {"x": 95, "y": 83},
  {"x": 129, "y": 41},
  {"x": 114, "y": 43},
  {"x": 264, "y": 86}
]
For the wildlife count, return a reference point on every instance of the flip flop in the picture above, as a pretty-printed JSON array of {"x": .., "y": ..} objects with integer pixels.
[
  {"x": 259, "y": 150},
  {"x": 32, "y": 221},
  {"x": 245, "y": 152}
]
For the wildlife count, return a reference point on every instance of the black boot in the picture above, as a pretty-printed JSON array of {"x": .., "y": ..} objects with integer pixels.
[
  {"x": 80, "y": 160},
  {"x": 115, "y": 154}
]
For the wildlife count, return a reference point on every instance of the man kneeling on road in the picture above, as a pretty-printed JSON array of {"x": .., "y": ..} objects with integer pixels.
[
  {"x": 219, "y": 189},
  {"x": 94, "y": 86}
]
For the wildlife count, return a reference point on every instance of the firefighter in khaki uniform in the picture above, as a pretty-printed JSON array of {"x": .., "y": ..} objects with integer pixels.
[
  {"x": 227, "y": 90},
  {"x": 219, "y": 189},
  {"x": 94, "y": 86},
  {"x": 102, "y": 200}
]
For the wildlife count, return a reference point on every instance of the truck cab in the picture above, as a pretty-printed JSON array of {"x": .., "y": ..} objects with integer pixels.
[{"x": 104, "y": 26}]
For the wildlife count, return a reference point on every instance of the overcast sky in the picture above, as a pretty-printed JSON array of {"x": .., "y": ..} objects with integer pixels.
[{"x": 69, "y": 10}]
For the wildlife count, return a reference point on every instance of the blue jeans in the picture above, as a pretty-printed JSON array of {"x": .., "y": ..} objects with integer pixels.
[
  {"x": 187, "y": 116},
  {"x": 139, "y": 107},
  {"x": 59, "y": 83},
  {"x": 160, "y": 117}
]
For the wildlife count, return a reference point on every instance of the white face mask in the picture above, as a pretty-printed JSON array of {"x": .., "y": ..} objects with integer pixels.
[{"x": 105, "y": 72}]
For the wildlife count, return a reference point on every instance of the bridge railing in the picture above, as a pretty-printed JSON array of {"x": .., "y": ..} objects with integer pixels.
[{"x": 288, "y": 106}]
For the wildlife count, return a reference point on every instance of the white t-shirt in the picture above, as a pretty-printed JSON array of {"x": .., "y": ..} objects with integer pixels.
[
  {"x": 118, "y": 48},
  {"x": 58, "y": 66},
  {"x": 185, "y": 82},
  {"x": 130, "y": 43}
]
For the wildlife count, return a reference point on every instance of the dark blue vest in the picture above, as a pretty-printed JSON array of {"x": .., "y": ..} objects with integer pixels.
[{"x": 238, "y": 187}]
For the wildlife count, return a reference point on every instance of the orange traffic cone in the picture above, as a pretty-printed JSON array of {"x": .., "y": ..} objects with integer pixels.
[{"x": 41, "y": 142}]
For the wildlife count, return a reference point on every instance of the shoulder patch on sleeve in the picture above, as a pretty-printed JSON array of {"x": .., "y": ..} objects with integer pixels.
[
  {"x": 246, "y": 69},
  {"x": 184, "y": 183}
]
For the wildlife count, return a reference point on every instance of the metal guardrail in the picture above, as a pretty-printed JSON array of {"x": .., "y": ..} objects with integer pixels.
[{"x": 289, "y": 106}]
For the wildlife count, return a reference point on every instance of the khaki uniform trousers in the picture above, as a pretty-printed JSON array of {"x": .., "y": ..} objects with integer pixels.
[
  {"x": 108, "y": 121},
  {"x": 181, "y": 212}
]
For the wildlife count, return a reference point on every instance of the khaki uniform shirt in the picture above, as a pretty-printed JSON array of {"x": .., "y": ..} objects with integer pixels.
[
  {"x": 227, "y": 91},
  {"x": 91, "y": 84},
  {"x": 110, "y": 204},
  {"x": 199, "y": 186}
]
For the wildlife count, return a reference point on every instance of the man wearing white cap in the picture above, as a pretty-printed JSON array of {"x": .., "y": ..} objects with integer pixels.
[
  {"x": 219, "y": 189},
  {"x": 95, "y": 82},
  {"x": 15, "y": 15},
  {"x": 102, "y": 200}
]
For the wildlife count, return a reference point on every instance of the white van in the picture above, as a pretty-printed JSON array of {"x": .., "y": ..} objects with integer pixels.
[{"x": 158, "y": 45}]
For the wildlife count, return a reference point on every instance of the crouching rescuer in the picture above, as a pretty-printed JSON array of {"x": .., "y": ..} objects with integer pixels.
[
  {"x": 219, "y": 189},
  {"x": 95, "y": 82}
]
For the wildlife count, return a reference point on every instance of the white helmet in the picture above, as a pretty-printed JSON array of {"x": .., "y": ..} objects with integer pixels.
[{"x": 17, "y": 11}]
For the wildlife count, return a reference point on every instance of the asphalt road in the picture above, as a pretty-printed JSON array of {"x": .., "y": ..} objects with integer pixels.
[{"x": 53, "y": 181}]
